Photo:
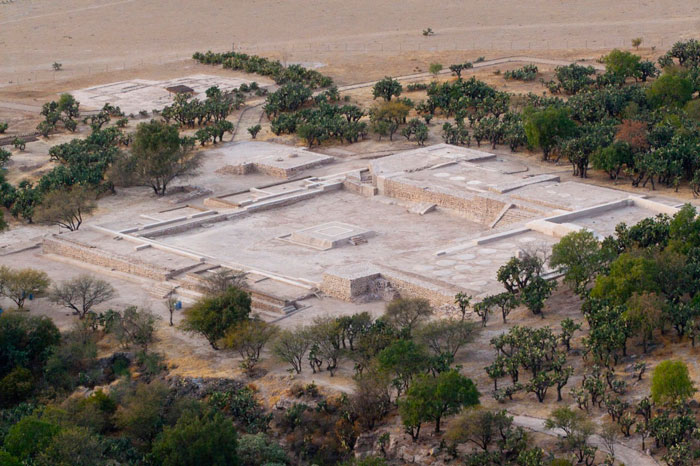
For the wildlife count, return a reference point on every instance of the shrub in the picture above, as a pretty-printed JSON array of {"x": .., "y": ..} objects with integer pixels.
[
  {"x": 526, "y": 73},
  {"x": 197, "y": 439},
  {"x": 670, "y": 382},
  {"x": 16, "y": 386},
  {"x": 213, "y": 316}
]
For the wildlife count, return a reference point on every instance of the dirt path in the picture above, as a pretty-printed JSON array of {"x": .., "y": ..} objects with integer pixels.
[
  {"x": 623, "y": 453},
  {"x": 483, "y": 64}
]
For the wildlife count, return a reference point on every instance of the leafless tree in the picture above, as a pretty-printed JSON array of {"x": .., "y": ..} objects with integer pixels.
[{"x": 82, "y": 294}]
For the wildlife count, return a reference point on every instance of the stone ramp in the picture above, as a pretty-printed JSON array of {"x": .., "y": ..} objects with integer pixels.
[
  {"x": 250, "y": 116},
  {"x": 512, "y": 186}
]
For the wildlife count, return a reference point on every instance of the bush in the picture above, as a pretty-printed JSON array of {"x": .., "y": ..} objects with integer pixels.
[
  {"x": 413, "y": 87},
  {"x": 213, "y": 316},
  {"x": 25, "y": 342},
  {"x": 197, "y": 440},
  {"x": 243, "y": 407},
  {"x": 16, "y": 386},
  {"x": 29, "y": 437},
  {"x": 526, "y": 73},
  {"x": 670, "y": 382},
  {"x": 259, "y": 449}
]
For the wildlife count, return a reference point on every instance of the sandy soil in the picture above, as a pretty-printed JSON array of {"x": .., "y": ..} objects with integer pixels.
[{"x": 91, "y": 35}]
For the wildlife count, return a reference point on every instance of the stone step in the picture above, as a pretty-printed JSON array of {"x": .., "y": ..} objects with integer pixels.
[{"x": 357, "y": 240}]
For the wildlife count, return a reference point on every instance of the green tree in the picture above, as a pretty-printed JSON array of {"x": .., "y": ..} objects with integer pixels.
[
  {"x": 387, "y": 88},
  {"x": 28, "y": 437},
  {"x": 504, "y": 302},
  {"x": 545, "y": 127},
  {"x": 442, "y": 395},
  {"x": 403, "y": 359},
  {"x": 141, "y": 414},
  {"x": 579, "y": 255},
  {"x": 26, "y": 341},
  {"x": 135, "y": 326},
  {"x": 435, "y": 69},
  {"x": 413, "y": 414},
  {"x": 388, "y": 116},
  {"x": 248, "y": 338},
  {"x": 671, "y": 382},
  {"x": 197, "y": 439},
  {"x": 7, "y": 459},
  {"x": 670, "y": 90},
  {"x": 326, "y": 337},
  {"x": 21, "y": 284},
  {"x": 159, "y": 155},
  {"x": 643, "y": 312},
  {"x": 212, "y": 316},
  {"x": 406, "y": 313},
  {"x": 479, "y": 426},
  {"x": 4, "y": 157},
  {"x": 290, "y": 346},
  {"x": 446, "y": 336},
  {"x": 458, "y": 68},
  {"x": 259, "y": 449},
  {"x": 16, "y": 386},
  {"x": 75, "y": 446},
  {"x": 628, "y": 274},
  {"x": 622, "y": 64}
]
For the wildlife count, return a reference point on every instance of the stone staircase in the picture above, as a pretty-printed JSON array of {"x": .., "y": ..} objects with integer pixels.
[
  {"x": 163, "y": 290},
  {"x": 357, "y": 240},
  {"x": 514, "y": 215},
  {"x": 268, "y": 304},
  {"x": 250, "y": 116}
]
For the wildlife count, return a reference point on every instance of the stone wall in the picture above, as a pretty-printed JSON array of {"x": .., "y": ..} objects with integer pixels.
[
  {"x": 272, "y": 170},
  {"x": 410, "y": 287},
  {"x": 480, "y": 209},
  {"x": 91, "y": 255},
  {"x": 348, "y": 286},
  {"x": 353, "y": 286}
]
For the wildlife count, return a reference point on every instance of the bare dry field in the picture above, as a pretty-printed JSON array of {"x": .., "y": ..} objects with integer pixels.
[{"x": 90, "y": 36}]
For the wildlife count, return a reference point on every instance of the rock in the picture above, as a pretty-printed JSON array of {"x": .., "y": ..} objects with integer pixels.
[{"x": 366, "y": 445}]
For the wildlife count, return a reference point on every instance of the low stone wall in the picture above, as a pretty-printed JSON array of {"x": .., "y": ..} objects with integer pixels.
[
  {"x": 354, "y": 285},
  {"x": 412, "y": 288},
  {"x": 480, "y": 209},
  {"x": 272, "y": 170},
  {"x": 348, "y": 287},
  {"x": 184, "y": 226},
  {"x": 243, "y": 169},
  {"x": 95, "y": 256}
]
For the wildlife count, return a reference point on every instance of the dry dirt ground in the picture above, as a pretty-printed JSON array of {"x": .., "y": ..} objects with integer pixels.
[{"x": 356, "y": 39}]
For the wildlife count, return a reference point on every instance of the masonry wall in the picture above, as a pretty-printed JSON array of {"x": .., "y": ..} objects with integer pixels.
[
  {"x": 408, "y": 289},
  {"x": 347, "y": 288},
  {"x": 351, "y": 288},
  {"x": 83, "y": 253},
  {"x": 479, "y": 209}
]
